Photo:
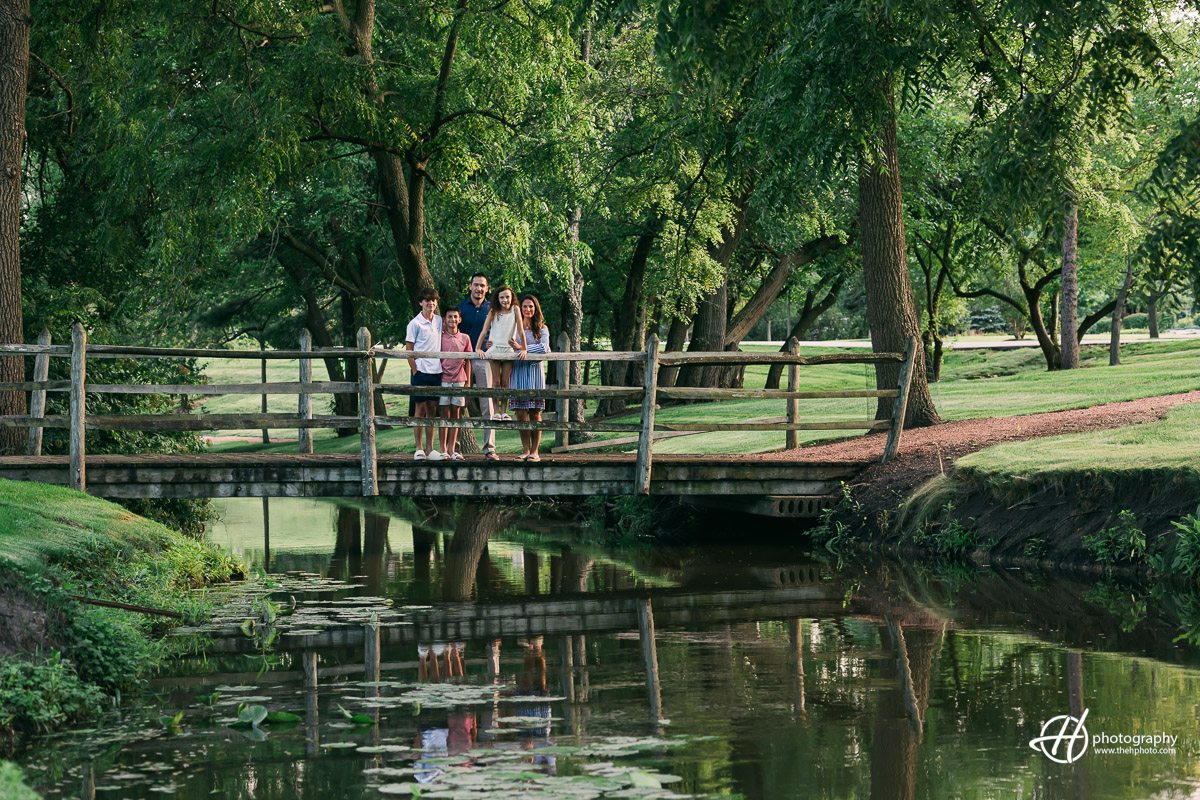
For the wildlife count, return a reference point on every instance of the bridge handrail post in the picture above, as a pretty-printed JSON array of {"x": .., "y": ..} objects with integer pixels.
[
  {"x": 37, "y": 398},
  {"x": 366, "y": 416},
  {"x": 563, "y": 404},
  {"x": 304, "y": 435},
  {"x": 641, "y": 472},
  {"x": 792, "y": 436},
  {"x": 900, "y": 404},
  {"x": 78, "y": 467}
]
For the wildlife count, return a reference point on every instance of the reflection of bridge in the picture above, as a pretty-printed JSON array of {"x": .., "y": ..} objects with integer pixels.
[
  {"x": 777, "y": 488},
  {"x": 558, "y": 616}
]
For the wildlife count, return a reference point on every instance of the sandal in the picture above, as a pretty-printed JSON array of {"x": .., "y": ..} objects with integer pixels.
[
  {"x": 506, "y": 418},
  {"x": 491, "y": 456},
  {"x": 522, "y": 457},
  {"x": 457, "y": 457},
  {"x": 534, "y": 457}
]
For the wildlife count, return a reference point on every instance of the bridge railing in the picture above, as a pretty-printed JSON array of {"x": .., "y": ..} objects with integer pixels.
[{"x": 367, "y": 422}]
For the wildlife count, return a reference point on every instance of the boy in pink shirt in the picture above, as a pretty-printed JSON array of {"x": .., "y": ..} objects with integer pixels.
[{"x": 454, "y": 373}]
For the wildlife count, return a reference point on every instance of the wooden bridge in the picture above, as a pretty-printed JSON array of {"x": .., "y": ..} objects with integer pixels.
[{"x": 775, "y": 487}]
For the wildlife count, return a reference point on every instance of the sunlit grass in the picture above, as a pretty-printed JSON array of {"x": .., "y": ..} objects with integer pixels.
[{"x": 975, "y": 383}]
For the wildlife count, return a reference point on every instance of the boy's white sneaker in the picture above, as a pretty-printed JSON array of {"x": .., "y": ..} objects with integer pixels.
[
  {"x": 419, "y": 455},
  {"x": 434, "y": 455}
]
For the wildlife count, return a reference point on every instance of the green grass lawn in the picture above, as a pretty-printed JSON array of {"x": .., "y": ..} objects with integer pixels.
[
  {"x": 975, "y": 383},
  {"x": 1172, "y": 443}
]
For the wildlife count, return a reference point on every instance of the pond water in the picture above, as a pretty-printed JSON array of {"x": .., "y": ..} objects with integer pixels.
[{"x": 477, "y": 651}]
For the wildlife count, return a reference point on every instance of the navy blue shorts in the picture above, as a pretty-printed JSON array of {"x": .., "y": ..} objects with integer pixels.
[{"x": 425, "y": 379}]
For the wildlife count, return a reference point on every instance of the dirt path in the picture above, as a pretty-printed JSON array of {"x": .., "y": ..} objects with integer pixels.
[{"x": 925, "y": 452}]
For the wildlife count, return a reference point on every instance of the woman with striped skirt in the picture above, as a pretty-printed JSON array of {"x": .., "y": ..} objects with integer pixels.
[{"x": 531, "y": 336}]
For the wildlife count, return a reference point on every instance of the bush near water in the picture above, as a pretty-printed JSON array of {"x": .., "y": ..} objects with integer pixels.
[{"x": 59, "y": 658}]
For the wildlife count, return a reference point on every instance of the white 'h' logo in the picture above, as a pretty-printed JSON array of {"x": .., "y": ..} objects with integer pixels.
[{"x": 1077, "y": 738}]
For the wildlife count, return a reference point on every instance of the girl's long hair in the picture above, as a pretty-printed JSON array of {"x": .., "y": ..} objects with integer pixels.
[
  {"x": 495, "y": 309},
  {"x": 536, "y": 321}
]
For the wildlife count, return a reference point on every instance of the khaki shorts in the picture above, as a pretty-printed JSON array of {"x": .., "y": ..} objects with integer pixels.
[{"x": 461, "y": 402}]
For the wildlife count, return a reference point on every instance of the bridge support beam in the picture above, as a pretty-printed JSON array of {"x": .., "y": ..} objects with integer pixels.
[{"x": 366, "y": 416}]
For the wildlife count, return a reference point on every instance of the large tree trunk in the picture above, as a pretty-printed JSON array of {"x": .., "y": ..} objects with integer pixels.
[
  {"x": 677, "y": 337},
  {"x": 1069, "y": 318},
  {"x": 708, "y": 330},
  {"x": 14, "y": 64},
  {"x": 1152, "y": 312},
  {"x": 891, "y": 312},
  {"x": 628, "y": 321},
  {"x": 1114, "y": 340}
]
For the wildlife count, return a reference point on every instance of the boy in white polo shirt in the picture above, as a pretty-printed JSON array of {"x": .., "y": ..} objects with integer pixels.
[{"x": 424, "y": 335}]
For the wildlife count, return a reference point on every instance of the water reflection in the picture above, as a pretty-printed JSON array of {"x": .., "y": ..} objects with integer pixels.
[{"x": 509, "y": 636}]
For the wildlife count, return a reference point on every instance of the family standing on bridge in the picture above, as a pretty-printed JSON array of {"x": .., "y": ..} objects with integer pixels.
[{"x": 501, "y": 327}]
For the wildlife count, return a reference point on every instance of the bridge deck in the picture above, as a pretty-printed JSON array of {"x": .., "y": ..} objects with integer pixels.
[{"x": 337, "y": 475}]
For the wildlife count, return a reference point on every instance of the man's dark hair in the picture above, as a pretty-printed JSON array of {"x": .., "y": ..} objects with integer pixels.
[
  {"x": 452, "y": 310},
  {"x": 427, "y": 294},
  {"x": 478, "y": 275}
]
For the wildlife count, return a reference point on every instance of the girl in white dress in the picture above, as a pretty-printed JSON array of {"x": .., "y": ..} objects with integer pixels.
[{"x": 497, "y": 335}]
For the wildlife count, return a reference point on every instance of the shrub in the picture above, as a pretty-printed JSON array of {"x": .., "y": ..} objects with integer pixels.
[
  {"x": 1123, "y": 543},
  {"x": 42, "y": 694},
  {"x": 12, "y": 783}
]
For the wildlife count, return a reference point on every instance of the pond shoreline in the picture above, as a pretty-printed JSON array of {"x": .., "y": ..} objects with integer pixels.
[{"x": 60, "y": 659}]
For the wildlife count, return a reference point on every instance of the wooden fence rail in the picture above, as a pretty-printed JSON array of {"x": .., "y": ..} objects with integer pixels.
[{"x": 647, "y": 429}]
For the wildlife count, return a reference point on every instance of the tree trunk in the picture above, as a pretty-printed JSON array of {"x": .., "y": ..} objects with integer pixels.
[
  {"x": 772, "y": 287},
  {"x": 1114, "y": 340},
  {"x": 1069, "y": 317},
  {"x": 808, "y": 316},
  {"x": 891, "y": 311},
  {"x": 1152, "y": 311},
  {"x": 628, "y": 321},
  {"x": 708, "y": 331},
  {"x": 14, "y": 64},
  {"x": 676, "y": 339},
  {"x": 1033, "y": 300}
]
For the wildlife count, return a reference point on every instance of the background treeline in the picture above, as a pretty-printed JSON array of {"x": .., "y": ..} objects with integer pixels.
[{"x": 203, "y": 172}]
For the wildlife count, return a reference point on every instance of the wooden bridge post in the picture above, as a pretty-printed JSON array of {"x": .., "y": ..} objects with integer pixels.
[
  {"x": 900, "y": 407},
  {"x": 78, "y": 475},
  {"x": 641, "y": 472},
  {"x": 564, "y": 381},
  {"x": 366, "y": 416},
  {"x": 306, "y": 409},
  {"x": 37, "y": 399},
  {"x": 650, "y": 657},
  {"x": 792, "y": 437}
]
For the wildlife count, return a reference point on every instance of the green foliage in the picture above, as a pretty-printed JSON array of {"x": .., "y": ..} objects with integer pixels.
[
  {"x": 41, "y": 694},
  {"x": 1122, "y": 543},
  {"x": 12, "y": 783},
  {"x": 948, "y": 537},
  {"x": 1180, "y": 555},
  {"x": 1136, "y": 322}
]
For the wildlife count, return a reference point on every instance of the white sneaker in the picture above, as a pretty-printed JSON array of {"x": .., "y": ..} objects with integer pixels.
[
  {"x": 419, "y": 455},
  {"x": 434, "y": 455},
  {"x": 496, "y": 417}
]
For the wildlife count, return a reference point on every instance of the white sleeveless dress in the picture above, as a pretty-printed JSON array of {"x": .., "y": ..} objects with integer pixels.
[{"x": 501, "y": 332}]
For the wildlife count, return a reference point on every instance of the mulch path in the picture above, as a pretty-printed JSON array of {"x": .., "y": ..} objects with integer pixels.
[{"x": 926, "y": 452}]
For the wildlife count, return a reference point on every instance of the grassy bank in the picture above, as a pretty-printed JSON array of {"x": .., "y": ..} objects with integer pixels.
[
  {"x": 1125, "y": 497},
  {"x": 975, "y": 383},
  {"x": 59, "y": 658}
]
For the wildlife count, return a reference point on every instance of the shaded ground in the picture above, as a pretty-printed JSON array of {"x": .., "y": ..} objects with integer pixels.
[{"x": 927, "y": 452}]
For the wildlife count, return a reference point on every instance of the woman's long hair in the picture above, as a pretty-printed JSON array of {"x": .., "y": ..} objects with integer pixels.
[{"x": 536, "y": 321}]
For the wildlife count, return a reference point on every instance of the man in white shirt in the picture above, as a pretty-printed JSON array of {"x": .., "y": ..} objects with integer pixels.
[{"x": 424, "y": 335}]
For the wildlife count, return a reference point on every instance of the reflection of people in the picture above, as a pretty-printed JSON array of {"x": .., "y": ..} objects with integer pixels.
[
  {"x": 533, "y": 682},
  {"x": 430, "y": 669},
  {"x": 531, "y": 336}
]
